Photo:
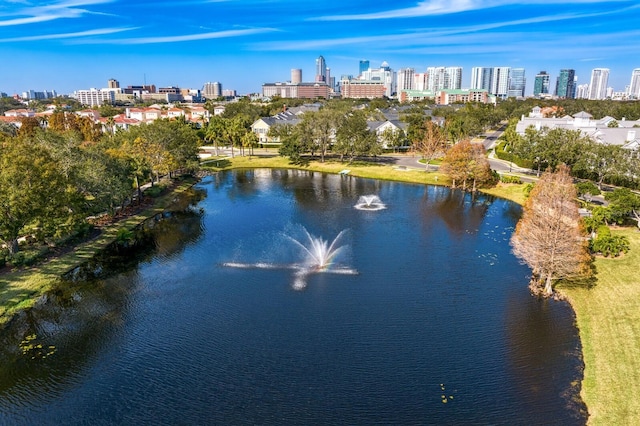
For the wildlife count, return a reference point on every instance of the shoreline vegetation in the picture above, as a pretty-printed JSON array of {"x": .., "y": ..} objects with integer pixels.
[{"x": 607, "y": 314}]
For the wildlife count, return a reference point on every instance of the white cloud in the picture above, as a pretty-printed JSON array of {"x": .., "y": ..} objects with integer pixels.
[
  {"x": 180, "y": 38},
  {"x": 442, "y": 7},
  {"x": 58, "y": 10},
  {"x": 101, "y": 31}
]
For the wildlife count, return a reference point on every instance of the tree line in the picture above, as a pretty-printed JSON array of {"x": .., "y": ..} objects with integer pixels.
[{"x": 52, "y": 180}]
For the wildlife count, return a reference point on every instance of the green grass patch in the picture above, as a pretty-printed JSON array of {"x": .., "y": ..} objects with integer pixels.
[{"x": 608, "y": 317}]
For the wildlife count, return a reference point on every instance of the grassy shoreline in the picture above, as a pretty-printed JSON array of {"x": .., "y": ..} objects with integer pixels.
[
  {"x": 20, "y": 289},
  {"x": 608, "y": 315}
]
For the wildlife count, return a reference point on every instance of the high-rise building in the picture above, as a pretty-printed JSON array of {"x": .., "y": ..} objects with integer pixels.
[
  {"x": 481, "y": 78},
  {"x": 405, "y": 79},
  {"x": 517, "y": 83},
  {"x": 364, "y": 66},
  {"x": 296, "y": 76},
  {"x": 598, "y": 84},
  {"x": 441, "y": 78},
  {"x": 582, "y": 91},
  {"x": 500, "y": 82},
  {"x": 321, "y": 69},
  {"x": 566, "y": 84},
  {"x": 112, "y": 83},
  {"x": 385, "y": 75},
  {"x": 541, "y": 84},
  {"x": 634, "y": 87},
  {"x": 212, "y": 90},
  {"x": 420, "y": 81}
]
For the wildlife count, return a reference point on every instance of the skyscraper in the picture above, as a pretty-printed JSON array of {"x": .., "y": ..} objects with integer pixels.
[
  {"x": 566, "y": 84},
  {"x": 364, "y": 66},
  {"x": 517, "y": 83},
  {"x": 634, "y": 87},
  {"x": 598, "y": 84},
  {"x": 405, "y": 79},
  {"x": 500, "y": 82},
  {"x": 481, "y": 78},
  {"x": 296, "y": 76},
  {"x": 541, "y": 84},
  {"x": 321, "y": 69},
  {"x": 212, "y": 90}
]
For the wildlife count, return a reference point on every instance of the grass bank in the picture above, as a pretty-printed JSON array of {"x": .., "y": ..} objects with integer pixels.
[
  {"x": 608, "y": 317},
  {"x": 21, "y": 289}
]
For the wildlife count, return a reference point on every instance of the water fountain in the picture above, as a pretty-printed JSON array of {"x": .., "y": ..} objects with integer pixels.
[
  {"x": 318, "y": 256},
  {"x": 370, "y": 202}
]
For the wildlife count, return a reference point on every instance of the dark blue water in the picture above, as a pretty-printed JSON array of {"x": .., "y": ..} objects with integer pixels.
[{"x": 437, "y": 327}]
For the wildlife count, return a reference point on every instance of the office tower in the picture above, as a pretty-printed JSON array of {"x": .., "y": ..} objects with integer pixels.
[
  {"x": 634, "y": 87},
  {"x": 113, "y": 84},
  {"x": 405, "y": 79},
  {"x": 566, "y": 84},
  {"x": 364, "y": 66},
  {"x": 296, "y": 76},
  {"x": 517, "y": 83},
  {"x": 385, "y": 75},
  {"x": 321, "y": 69},
  {"x": 212, "y": 90},
  {"x": 598, "y": 84},
  {"x": 481, "y": 78},
  {"x": 327, "y": 76},
  {"x": 541, "y": 84},
  {"x": 500, "y": 82}
]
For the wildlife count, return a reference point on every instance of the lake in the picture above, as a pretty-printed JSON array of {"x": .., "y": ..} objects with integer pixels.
[{"x": 217, "y": 316}]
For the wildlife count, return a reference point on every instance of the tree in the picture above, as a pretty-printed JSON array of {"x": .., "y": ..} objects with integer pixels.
[
  {"x": 465, "y": 161},
  {"x": 353, "y": 137},
  {"x": 430, "y": 141},
  {"x": 33, "y": 191},
  {"x": 549, "y": 237}
]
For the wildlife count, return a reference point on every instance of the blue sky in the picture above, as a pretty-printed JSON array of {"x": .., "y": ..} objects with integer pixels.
[{"x": 77, "y": 44}]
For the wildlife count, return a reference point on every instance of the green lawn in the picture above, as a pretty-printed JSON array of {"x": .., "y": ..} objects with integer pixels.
[{"x": 608, "y": 317}]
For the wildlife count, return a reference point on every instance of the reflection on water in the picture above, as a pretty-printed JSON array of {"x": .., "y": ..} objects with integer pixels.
[{"x": 437, "y": 327}]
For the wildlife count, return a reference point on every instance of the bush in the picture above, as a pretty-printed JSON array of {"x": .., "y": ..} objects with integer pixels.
[
  {"x": 510, "y": 179},
  {"x": 609, "y": 245},
  {"x": 507, "y": 156}
]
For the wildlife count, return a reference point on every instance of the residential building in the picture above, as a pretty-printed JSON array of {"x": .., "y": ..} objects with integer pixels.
[
  {"x": 112, "y": 83},
  {"x": 626, "y": 134},
  {"x": 419, "y": 81},
  {"x": 212, "y": 90},
  {"x": 500, "y": 82},
  {"x": 448, "y": 96},
  {"x": 365, "y": 89},
  {"x": 582, "y": 91},
  {"x": 634, "y": 87},
  {"x": 481, "y": 78},
  {"x": 95, "y": 97},
  {"x": 517, "y": 83},
  {"x": 598, "y": 84},
  {"x": 439, "y": 78},
  {"x": 33, "y": 95},
  {"x": 229, "y": 93},
  {"x": 405, "y": 79},
  {"x": 566, "y": 84},
  {"x": 300, "y": 90},
  {"x": 541, "y": 84}
]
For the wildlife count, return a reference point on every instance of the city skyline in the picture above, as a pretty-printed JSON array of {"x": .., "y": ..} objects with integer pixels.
[{"x": 66, "y": 45}]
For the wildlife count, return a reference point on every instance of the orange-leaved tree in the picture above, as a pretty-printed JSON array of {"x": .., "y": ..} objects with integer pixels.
[{"x": 549, "y": 236}]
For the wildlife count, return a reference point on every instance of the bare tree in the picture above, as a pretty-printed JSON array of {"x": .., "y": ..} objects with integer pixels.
[
  {"x": 430, "y": 141},
  {"x": 549, "y": 237}
]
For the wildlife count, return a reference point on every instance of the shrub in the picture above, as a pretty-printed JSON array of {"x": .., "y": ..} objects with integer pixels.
[
  {"x": 510, "y": 179},
  {"x": 587, "y": 188},
  {"x": 609, "y": 245}
]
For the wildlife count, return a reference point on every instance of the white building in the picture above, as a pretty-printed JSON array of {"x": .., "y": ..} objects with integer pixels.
[
  {"x": 500, "y": 82},
  {"x": 95, "y": 97},
  {"x": 598, "y": 84},
  {"x": 634, "y": 87},
  {"x": 384, "y": 75},
  {"x": 405, "y": 79}
]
